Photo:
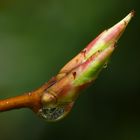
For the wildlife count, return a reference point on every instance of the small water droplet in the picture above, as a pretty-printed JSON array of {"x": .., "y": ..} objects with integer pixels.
[{"x": 105, "y": 66}]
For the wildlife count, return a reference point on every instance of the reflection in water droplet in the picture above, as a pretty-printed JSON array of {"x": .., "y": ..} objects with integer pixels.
[{"x": 52, "y": 113}]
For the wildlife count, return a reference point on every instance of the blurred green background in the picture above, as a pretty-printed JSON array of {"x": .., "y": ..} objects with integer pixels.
[{"x": 38, "y": 37}]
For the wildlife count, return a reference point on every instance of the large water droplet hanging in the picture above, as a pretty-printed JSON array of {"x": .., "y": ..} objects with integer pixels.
[{"x": 52, "y": 113}]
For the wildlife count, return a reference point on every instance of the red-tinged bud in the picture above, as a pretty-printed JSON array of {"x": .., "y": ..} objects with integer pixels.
[
  {"x": 80, "y": 72},
  {"x": 102, "y": 41}
]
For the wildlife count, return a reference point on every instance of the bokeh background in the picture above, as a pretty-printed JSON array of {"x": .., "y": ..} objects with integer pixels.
[{"x": 38, "y": 37}]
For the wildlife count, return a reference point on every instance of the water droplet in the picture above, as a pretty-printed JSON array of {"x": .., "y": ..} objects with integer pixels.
[
  {"x": 105, "y": 66},
  {"x": 52, "y": 113}
]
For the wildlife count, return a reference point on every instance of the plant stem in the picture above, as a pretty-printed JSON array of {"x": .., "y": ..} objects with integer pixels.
[
  {"x": 15, "y": 102},
  {"x": 30, "y": 100}
]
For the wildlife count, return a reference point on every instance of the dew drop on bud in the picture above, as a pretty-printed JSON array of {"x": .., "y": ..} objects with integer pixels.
[
  {"x": 52, "y": 113},
  {"x": 105, "y": 66},
  {"x": 52, "y": 110}
]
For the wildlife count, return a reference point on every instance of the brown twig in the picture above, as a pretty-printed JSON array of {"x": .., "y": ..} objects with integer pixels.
[
  {"x": 15, "y": 102},
  {"x": 30, "y": 100}
]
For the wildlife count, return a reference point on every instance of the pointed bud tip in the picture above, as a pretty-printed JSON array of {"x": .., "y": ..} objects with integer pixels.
[
  {"x": 133, "y": 13},
  {"x": 127, "y": 19}
]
